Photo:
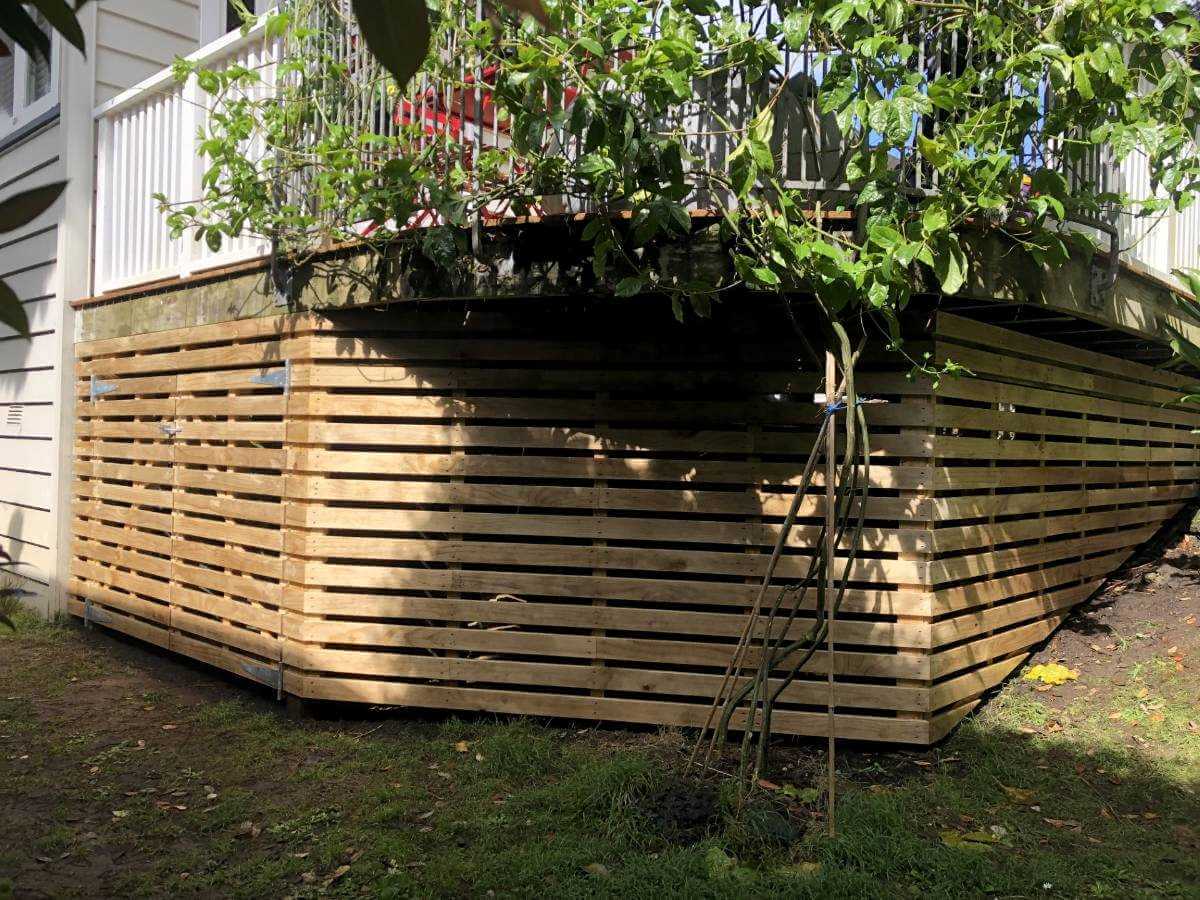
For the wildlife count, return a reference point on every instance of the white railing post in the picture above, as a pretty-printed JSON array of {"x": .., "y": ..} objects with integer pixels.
[
  {"x": 190, "y": 172},
  {"x": 101, "y": 265}
]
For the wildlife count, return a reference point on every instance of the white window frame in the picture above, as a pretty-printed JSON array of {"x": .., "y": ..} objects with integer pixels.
[{"x": 24, "y": 110}]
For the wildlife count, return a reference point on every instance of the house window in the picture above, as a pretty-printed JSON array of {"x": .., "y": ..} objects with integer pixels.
[
  {"x": 28, "y": 84},
  {"x": 219, "y": 17}
]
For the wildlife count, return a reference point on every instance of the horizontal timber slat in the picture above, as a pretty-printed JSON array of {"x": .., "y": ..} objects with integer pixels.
[{"x": 510, "y": 513}]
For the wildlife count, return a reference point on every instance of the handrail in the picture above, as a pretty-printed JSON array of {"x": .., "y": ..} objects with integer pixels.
[{"x": 222, "y": 46}]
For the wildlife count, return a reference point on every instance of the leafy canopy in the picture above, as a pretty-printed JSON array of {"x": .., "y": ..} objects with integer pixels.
[{"x": 850, "y": 147}]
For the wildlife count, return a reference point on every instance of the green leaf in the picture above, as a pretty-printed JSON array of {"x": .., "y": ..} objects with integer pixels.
[
  {"x": 743, "y": 171},
  {"x": 531, "y": 8},
  {"x": 20, "y": 26},
  {"x": 885, "y": 236},
  {"x": 934, "y": 218},
  {"x": 23, "y": 208},
  {"x": 62, "y": 19},
  {"x": 949, "y": 264},
  {"x": 1184, "y": 348},
  {"x": 766, "y": 276},
  {"x": 796, "y": 27},
  {"x": 12, "y": 313},
  {"x": 397, "y": 33},
  {"x": 591, "y": 45},
  {"x": 1190, "y": 277},
  {"x": 933, "y": 151},
  {"x": 277, "y": 25},
  {"x": 629, "y": 287},
  {"x": 1083, "y": 82}
]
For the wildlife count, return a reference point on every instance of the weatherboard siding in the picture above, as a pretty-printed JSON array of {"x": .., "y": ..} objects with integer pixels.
[
  {"x": 29, "y": 384},
  {"x": 135, "y": 39}
]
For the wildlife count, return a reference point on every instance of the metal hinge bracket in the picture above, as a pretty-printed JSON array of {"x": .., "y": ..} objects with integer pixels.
[
  {"x": 280, "y": 378},
  {"x": 99, "y": 388},
  {"x": 92, "y": 614},
  {"x": 268, "y": 675}
]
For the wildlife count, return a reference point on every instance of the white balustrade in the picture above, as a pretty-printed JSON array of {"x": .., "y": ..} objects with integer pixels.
[{"x": 149, "y": 142}]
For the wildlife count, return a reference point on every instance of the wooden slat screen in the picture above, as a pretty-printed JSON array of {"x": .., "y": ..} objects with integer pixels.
[{"x": 550, "y": 513}]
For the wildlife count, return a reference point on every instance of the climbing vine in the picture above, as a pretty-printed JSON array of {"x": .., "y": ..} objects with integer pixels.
[{"x": 927, "y": 122}]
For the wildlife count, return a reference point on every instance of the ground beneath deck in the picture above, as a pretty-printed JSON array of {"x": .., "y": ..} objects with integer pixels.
[{"x": 124, "y": 771}]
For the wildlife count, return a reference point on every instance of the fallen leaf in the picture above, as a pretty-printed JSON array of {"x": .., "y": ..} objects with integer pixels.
[
  {"x": 1051, "y": 674},
  {"x": 598, "y": 869},
  {"x": 336, "y": 874},
  {"x": 807, "y": 869},
  {"x": 248, "y": 829},
  {"x": 120, "y": 813},
  {"x": 462, "y": 746},
  {"x": 1063, "y": 823},
  {"x": 169, "y": 727},
  {"x": 1018, "y": 795},
  {"x": 767, "y": 785},
  {"x": 973, "y": 840}
]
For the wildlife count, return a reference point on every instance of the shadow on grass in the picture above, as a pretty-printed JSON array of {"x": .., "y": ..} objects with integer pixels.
[{"x": 432, "y": 805}]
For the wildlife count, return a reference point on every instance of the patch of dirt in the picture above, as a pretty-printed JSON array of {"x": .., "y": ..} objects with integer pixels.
[
  {"x": 1150, "y": 611},
  {"x": 126, "y": 703}
]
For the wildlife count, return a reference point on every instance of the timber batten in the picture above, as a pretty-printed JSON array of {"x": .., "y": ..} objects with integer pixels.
[{"x": 523, "y": 513}]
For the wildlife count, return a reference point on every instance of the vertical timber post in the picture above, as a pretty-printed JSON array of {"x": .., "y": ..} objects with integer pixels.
[{"x": 830, "y": 559}]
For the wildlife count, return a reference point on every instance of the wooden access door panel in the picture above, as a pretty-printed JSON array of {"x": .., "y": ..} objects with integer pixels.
[
  {"x": 226, "y": 562},
  {"x": 179, "y": 490},
  {"x": 123, "y": 498}
]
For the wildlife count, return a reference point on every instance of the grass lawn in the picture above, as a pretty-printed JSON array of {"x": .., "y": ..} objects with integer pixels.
[{"x": 126, "y": 772}]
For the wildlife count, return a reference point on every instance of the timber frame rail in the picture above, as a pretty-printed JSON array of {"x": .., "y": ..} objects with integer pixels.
[{"x": 518, "y": 514}]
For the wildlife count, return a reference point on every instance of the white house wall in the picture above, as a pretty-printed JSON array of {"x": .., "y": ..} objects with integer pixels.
[
  {"x": 137, "y": 38},
  {"x": 29, "y": 384},
  {"x": 48, "y": 263}
]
